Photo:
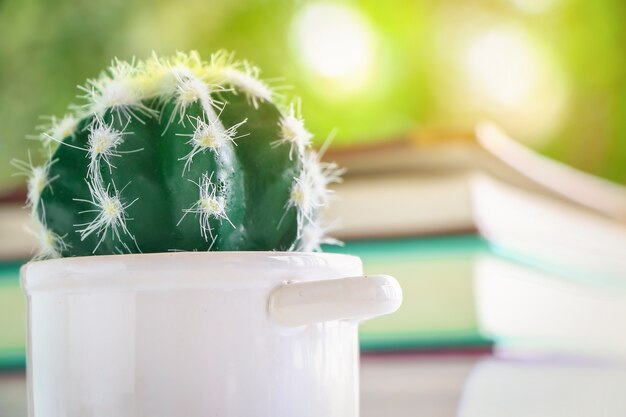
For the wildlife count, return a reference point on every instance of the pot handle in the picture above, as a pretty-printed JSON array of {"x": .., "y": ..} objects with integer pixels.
[{"x": 352, "y": 298}]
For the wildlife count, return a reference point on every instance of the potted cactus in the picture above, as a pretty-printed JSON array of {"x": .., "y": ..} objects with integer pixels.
[{"x": 177, "y": 218}]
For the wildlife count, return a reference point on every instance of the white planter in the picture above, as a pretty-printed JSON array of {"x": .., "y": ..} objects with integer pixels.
[{"x": 251, "y": 334}]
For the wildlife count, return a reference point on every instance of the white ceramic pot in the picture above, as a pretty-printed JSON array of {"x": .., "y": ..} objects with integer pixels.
[{"x": 251, "y": 334}]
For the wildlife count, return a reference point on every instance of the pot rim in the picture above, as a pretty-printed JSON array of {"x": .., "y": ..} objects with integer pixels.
[
  {"x": 246, "y": 253},
  {"x": 159, "y": 270}
]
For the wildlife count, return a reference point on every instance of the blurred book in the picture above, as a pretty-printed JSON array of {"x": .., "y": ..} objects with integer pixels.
[
  {"x": 527, "y": 310},
  {"x": 421, "y": 185},
  {"x": 544, "y": 388},
  {"x": 414, "y": 384},
  {"x": 15, "y": 241},
  {"x": 13, "y": 394},
  {"x": 12, "y": 317},
  {"x": 548, "y": 232}
]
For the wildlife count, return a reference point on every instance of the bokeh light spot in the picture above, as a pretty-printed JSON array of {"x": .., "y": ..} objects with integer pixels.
[
  {"x": 510, "y": 78},
  {"x": 502, "y": 64},
  {"x": 534, "y": 6},
  {"x": 334, "y": 41}
]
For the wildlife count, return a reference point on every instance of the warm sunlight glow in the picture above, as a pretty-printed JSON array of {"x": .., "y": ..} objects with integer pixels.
[
  {"x": 502, "y": 65},
  {"x": 511, "y": 79},
  {"x": 334, "y": 41},
  {"x": 535, "y": 6}
]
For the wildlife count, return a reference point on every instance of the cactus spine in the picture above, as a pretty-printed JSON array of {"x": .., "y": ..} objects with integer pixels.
[{"x": 178, "y": 154}]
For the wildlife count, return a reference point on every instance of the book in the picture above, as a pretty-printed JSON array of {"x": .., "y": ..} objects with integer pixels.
[
  {"x": 416, "y": 383},
  {"x": 527, "y": 310},
  {"x": 490, "y": 151},
  {"x": 540, "y": 230},
  {"x": 402, "y": 205},
  {"x": 15, "y": 240},
  {"x": 16, "y": 243},
  {"x": 425, "y": 186},
  {"x": 544, "y": 388},
  {"x": 13, "y": 394},
  {"x": 12, "y": 317}
]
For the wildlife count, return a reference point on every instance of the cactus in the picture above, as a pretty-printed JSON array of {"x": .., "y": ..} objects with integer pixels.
[{"x": 175, "y": 154}]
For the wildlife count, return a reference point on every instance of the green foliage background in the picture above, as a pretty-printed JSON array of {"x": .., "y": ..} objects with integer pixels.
[{"x": 48, "y": 47}]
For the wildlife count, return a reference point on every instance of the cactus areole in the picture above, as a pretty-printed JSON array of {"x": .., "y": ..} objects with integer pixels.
[{"x": 178, "y": 154}]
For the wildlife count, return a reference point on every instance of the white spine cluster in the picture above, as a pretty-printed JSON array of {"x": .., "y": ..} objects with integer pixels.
[
  {"x": 242, "y": 75},
  {"x": 58, "y": 129},
  {"x": 37, "y": 179},
  {"x": 189, "y": 90},
  {"x": 102, "y": 142},
  {"x": 303, "y": 199},
  {"x": 247, "y": 80},
  {"x": 320, "y": 175},
  {"x": 49, "y": 244},
  {"x": 162, "y": 76},
  {"x": 210, "y": 205},
  {"x": 309, "y": 192},
  {"x": 116, "y": 90},
  {"x": 293, "y": 132},
  {"x": 110, "y": 214},
  {"x": 211, "y": 136},
  {"x": 312, "y": 238}
]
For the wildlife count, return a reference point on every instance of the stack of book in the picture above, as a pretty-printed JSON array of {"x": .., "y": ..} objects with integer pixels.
[{"x": 492, "y": 243}]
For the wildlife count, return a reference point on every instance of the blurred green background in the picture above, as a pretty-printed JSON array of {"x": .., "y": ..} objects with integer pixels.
[{"x": 551, "y": 72}]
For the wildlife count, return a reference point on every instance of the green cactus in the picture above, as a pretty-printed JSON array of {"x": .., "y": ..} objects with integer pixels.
[{"x": 178, "y": 154}]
